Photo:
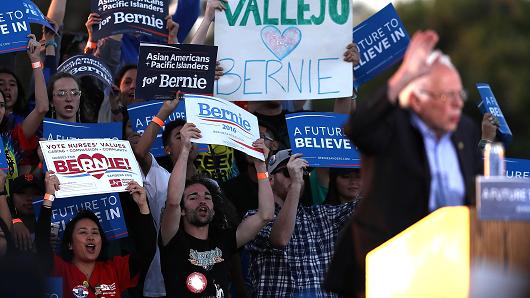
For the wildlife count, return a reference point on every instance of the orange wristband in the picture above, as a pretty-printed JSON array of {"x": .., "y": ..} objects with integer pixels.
[
  {"x": 16, "y": 220},
  {"x": 91, "y": 45},
  {"x": 263, "y": 176},
  {"x": 36, "y": 65},
  {"x": 158, "y": 121}
]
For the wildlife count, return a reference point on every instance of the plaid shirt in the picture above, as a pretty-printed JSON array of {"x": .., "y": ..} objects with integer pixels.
[{"x": 300, "y": 267}]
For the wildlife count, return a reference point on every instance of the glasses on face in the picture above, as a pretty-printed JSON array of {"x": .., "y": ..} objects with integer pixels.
[
  {"x": 64, "y": 93},
  {"x": 266, "y": 138},
  {"x": 446, "y": 96}
]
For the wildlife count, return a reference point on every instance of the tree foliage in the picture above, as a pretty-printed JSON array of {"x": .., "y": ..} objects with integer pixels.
[{"x": 488, "y": 41}]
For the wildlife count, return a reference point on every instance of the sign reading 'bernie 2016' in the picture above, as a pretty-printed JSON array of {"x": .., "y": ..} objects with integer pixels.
[
  {"x": 280, "y": 49},
  {"x": 319, "y": 137},
  {"x": 165, "y": 69},
  {"x": 382, "y": 41},
  {"x": 15, "y": 17},
  {"x": 133, "y": 16},
  {"x": 223, "y": 123}
]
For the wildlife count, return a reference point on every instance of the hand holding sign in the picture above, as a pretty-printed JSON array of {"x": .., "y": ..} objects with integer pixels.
[
  {"x": 211, "y": 6},
  {"x": 260, "y": 145},
  {"x": 138, "y": 194},
  {"x": 51, "y": 182},
  {"x": 490, "y": 124},
  {"x": 173, "y": 28},
  {"x": 93, "y": 20},
  {"x": 187, "y": 132},
  {"x": 33, "y": 49}
]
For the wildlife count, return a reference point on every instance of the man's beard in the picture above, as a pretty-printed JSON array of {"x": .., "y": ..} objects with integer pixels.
[{"x": 199, "y": 221}]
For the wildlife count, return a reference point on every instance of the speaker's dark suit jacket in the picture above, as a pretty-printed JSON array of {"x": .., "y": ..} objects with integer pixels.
[{"x": 398, "y": 188}]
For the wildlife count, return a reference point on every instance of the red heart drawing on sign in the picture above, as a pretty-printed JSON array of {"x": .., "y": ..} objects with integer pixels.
[{"x": 95, "y": 165}]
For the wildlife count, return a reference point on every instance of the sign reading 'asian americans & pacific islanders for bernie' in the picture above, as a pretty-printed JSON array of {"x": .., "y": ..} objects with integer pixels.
[{"x": 279, "y": 49}]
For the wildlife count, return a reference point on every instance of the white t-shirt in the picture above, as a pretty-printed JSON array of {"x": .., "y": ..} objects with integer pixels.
[{"x": 155, "y": 184}]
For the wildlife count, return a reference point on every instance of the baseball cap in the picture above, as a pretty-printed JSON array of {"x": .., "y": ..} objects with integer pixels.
[
  {"x": 24, "y": 181},
  {"x": 281, "y": 157}
]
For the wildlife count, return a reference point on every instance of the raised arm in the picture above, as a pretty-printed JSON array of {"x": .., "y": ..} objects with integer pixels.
[
  {"x": 250, "y": 226},
  {"x": 34, "y": 119},
  {"x": 170, "y": 221},
  {"x": 141, "y": 226},
  {"x": 141, "y": 150},
  {"x": 42, "y": 233},
  {"x": 173, "y": 29},
  {"x": 209, "y": 16},
  {"x": 283, "y": 226},
  {"x": 56, "y": 11},
  {"x": 345, "y": 105}
]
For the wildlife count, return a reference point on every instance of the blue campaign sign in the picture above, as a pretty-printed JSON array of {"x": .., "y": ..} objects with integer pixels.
[
  {"x": 55, "y": 287},
  {"x": 141, "y": 114},
  {"x": 107, "y": 208},
  {"x": 502, "y": 198},
  {"x": 60, "y": 130},
  {"x": 489, "y": 104},
  {"x": 15, "y": 18},
  {"x": 131, "y": 16},
  {"x": 165, "y": 69},
  {"x": 87, "y": 65},
  {"x": 382, "y": 40},
  {"x": 517, "y": 168},
  {"x": 320, "y": 138},
  {"x": 3, "y": 160}
]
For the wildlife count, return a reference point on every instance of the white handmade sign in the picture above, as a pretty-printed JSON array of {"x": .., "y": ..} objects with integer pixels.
[{"x": 284, "y": 50}]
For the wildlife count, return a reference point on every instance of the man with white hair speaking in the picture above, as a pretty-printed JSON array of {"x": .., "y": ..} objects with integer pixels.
[{"x": 422, "y": 151}]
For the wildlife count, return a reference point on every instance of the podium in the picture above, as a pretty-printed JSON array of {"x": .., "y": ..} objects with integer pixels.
[{"x": 437, "y": 256}]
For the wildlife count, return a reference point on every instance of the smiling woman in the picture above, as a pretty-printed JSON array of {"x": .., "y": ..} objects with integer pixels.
[{"x": 83, "y": 264}]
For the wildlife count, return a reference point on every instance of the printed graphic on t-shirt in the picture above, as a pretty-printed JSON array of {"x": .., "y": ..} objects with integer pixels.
[
  {"x": 206, "y": 259},
  {"x": 80, "y": 291}
]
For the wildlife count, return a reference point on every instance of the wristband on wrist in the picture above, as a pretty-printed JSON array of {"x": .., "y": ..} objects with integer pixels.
[
  {"x": 91, "y": 45},
  {"x": 49, "y": 197},
  {"x": 262, "y": 175},
  {"x": 158, "y": 121},
  {"x": 36, "y": 65},
  {"x": 16, "y": 220},
  {"x": 50, "y": 42}
]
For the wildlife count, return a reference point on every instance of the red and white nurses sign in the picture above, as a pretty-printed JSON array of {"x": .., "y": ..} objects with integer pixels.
[{"x": 91, "y": 166}]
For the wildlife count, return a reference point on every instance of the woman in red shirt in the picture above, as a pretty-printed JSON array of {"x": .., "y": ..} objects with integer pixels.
[{"x": 82, "y": 265}]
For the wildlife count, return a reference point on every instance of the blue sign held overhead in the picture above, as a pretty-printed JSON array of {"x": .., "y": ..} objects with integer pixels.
[
  {"x": 131, "y": 16},
  {"x": 107, "y": 208},
  {"x": 320, "y": 138},
  {"x": 165, "y": 69},
  {"x": 489, "y": 104},
  {"x": 15, "y": 19},
  {"x": 87, "y": 65},
  {"x": 382, "y": 41},
  {"x": 61, "y": 130}
]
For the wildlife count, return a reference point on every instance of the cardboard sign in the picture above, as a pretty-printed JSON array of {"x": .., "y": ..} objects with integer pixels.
[
  {"x": 87, "y": 65},
  {"x": 15, "y": 18},
  {"x": 107, "y": 208},
  {"x": 91, "y": 166},
  {"x": 130, "y": 16},
  {"x": 223, "y": 123},
  {"x": 382, "y": 41},
  {"x": 280, "y": 49},
  {"x": 502, "y": 198},
  {"x": 517, "y": 168},
  {"x": 165, "y": 69},
  {"x": 61, "y": 130},
  {"x": 3, "y": 160},
  {"x": 489, "y": 104},
  {"x": 320, "y": 138}
]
